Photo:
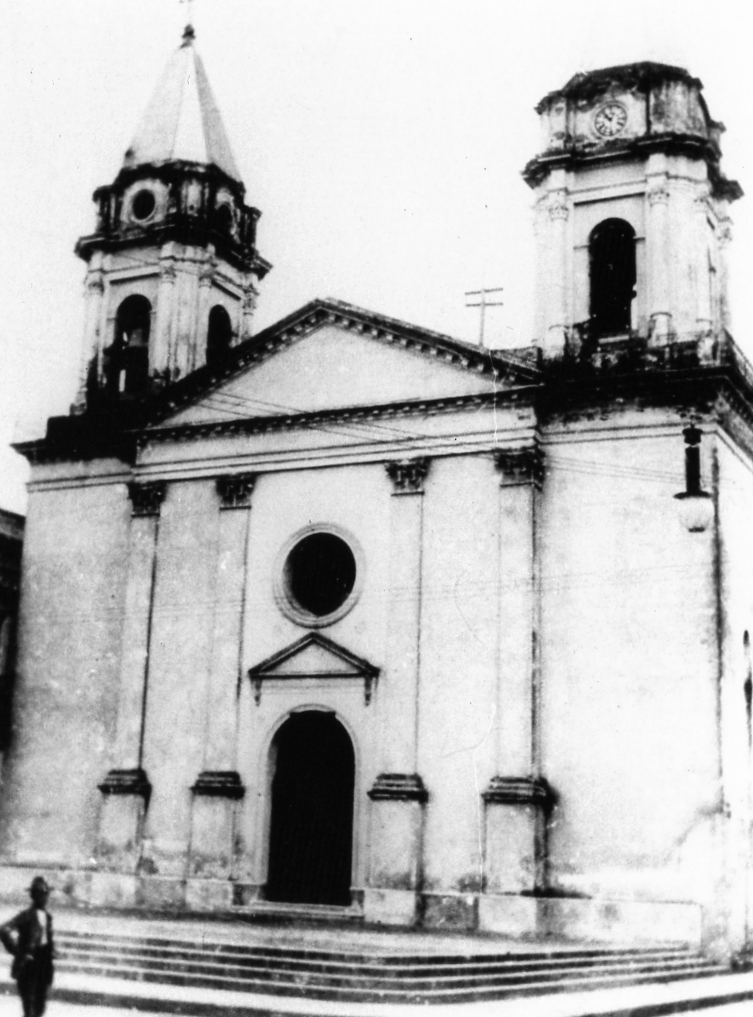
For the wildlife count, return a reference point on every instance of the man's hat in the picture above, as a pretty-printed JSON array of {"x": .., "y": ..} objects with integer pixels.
[{"x": 39, "y": 883}]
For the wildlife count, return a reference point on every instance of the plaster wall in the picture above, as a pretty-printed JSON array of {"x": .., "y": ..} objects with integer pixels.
[
  {"x": 68, "y": 659},
  {"x": 736, "y": 619},
  {"x": 629, "y": 669}
]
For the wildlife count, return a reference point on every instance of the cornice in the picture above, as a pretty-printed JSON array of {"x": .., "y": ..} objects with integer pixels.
[{"x": 293, "y": 421}]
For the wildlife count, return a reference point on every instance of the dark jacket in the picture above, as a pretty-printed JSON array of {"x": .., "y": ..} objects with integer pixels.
[{"x": 21, "y": 936}]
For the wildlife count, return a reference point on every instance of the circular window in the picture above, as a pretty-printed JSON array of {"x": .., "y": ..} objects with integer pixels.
[
  {"x": 318, "y": 577},
  {"x": 142, "y": 205}
]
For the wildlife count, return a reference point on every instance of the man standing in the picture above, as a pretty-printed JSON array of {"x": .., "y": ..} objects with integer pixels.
[{"x": 28, "y": 937}]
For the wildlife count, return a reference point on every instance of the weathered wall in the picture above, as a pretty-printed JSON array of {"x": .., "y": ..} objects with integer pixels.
[
  {"x": 66, "y": 692},
  {"x": 629, "y": 668}
]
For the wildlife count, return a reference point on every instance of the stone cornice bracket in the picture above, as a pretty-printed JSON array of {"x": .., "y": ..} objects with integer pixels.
[
  {"x": 408, "y": 475},
  {"x": 399, "y": 787},
  {"x": 146, "y": 499},
  {"x": 235, "y": 490},
  {"x": 520, "y": 466},
  {"x": 126, "y": 782},
  {"x": 519, "y": 791},
  {"x": 219, "y": 784}
]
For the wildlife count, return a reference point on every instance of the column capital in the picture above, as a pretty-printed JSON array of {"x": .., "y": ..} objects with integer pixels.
[
  {"x": 408, "y": 475},
  {"x": 235, "y": 490},
  {"x": 146, "y": 498},
  {"x": 400, "y": 787},
  {"x": 520, "y": 465},
  {"x": 657, "y": 195}
]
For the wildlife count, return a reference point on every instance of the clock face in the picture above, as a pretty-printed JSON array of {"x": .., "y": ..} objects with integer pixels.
[{"x": 610, "y": 119}]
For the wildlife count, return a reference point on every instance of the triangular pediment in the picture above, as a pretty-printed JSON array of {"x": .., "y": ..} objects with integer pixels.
[
  {"x": 313, "y": 656},
  {"x": 331, "y": 356}
]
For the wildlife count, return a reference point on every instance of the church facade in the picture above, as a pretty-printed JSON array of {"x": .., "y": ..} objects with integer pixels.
[{"x": 349, "y": 618}]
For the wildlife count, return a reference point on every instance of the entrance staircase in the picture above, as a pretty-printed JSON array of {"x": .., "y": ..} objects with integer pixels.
[{"x": 360, "y": 975}]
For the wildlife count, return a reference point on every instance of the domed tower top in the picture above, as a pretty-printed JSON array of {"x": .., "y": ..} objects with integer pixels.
[
  {"x": 182, "y": 122},
  {"x": 631, "y": 109},
  {"x": 631, "y": 211},
  {"x": 173, "y": 267}
]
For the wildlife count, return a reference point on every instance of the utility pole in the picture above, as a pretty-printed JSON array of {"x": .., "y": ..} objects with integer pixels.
[{"x": 483, "y": 303}]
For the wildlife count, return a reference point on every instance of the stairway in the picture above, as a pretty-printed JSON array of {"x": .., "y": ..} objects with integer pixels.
[{"x": 355, "y": 976}]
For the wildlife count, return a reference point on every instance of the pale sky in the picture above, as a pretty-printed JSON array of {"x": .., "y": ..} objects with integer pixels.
[{"x": 382, "y": 141}]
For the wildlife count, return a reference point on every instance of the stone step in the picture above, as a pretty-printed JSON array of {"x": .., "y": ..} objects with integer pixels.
[
  {"x": 190, "y": 947},
  {"x": 351, "y": 974},
  {"x": 576, "y": 981},
  {"x": 396, "y": 988}
]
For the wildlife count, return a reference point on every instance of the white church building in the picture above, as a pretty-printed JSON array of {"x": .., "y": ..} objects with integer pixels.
[{"x": 349, "y": 618}]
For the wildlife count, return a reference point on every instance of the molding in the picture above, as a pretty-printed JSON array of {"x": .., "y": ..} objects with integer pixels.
[
  {"x": 219, "y": 784},
  {"x": 126, "y": 782},
  {"x": 235, "y": 490},
  {"x": 519, "y": 791},
  {"x": 312, "y": 418},
  {"x": 146, "y": 499},
  {"x": 354, "y": 667},
  {"x": 519, "y": 466},
  {"x": 399, "y": 787},
  {"x": 408, "y": 475}
]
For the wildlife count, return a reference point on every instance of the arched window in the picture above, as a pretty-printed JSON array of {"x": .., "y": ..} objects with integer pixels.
[
  {"x": 611, "y": 252},
  {"x": 219, "y": 335},
  {"x": 127, "y": 360}
]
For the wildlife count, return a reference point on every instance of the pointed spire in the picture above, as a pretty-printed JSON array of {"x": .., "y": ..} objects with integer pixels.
[{"x": 182, "y": 121}]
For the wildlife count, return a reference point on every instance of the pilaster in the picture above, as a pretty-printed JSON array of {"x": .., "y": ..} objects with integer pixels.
[
  {"x": 219, "y": 787},
  {"x": 658, "y": 247},
  {"x": 126, "y": 787},
  {"x": 398, "y": 795},
  {"x": 163, "y": 351},
  {"x": 558, "y": 212},
  {"x": 516, "y": 799},
  {"x": 91, "y": 356}
]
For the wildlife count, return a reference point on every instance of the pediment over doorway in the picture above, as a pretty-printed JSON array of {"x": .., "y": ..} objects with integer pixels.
[{"x": 314, "y": 656}]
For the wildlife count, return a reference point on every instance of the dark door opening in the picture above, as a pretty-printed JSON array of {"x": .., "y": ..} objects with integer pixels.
[{"x": 311, "y": 830}]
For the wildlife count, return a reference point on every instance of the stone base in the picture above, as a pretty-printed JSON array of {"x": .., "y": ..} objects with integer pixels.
[
  {"x": 209, "y": 895},
  {"x": 509, "y": 915},
  {"x": 456, "y": 911},
  {"x": 390, "y": 907},
  {"x": 625, "y": 923}
]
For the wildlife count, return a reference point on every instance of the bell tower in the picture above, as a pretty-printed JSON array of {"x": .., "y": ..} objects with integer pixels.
[
  {"x": 172, "y": 267},
  {"x": 631, "y": 211}
]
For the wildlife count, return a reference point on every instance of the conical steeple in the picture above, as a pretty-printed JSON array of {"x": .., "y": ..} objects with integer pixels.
[
  {"x": 173, "y": 268},
  {"x": 182, "y": 122}
]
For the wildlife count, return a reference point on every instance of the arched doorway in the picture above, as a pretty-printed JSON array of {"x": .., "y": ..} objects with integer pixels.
[{"x": 311, "y": 828}]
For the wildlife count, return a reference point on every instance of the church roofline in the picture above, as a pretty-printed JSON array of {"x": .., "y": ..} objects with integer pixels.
[{"x": 368, "y": 323}]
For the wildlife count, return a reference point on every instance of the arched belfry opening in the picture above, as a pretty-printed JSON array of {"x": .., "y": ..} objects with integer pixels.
[
  {"x": 611, "y": 256},
  {"x": 311, "y": 825},
  {"x": 219, "y": 335},
  {"x": 127, "y": 360}
]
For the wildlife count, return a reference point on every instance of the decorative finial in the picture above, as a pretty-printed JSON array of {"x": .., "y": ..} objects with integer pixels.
[{"x": 188, "y": 34}]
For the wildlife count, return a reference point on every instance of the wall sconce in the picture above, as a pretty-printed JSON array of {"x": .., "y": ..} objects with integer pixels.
[{"x": 696, "y": 505}]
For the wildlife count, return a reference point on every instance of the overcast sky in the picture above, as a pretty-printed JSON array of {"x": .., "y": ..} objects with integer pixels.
[{"x": 383, "y": 142}]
